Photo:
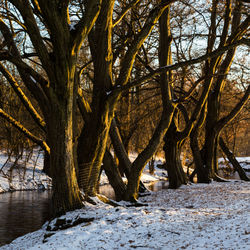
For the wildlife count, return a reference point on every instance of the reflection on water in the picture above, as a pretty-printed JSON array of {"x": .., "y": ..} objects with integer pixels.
[
  {"x": 108, "y": 191},
  {"x": 22, "y": 212},
  {"x": 157, "y": 186}
]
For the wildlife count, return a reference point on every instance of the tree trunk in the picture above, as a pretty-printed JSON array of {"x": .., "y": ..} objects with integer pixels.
[
  {"x": 121, "y": 153},
  {"x": 209, "y": 151},
  {"x": 172, "y": 149},
  {"x": 113, "y": 175},
  {"x": 91, "y": 148},
  {"x": 142, "y": 159},
  {"x": 207, "y": 154},
  {"x": 66, "y": 193},
  {"x": 200, "y": 169},
  {"x": 46, "y": 164},
  {"x": 93, "y": 139},
  {"x": 237, "y": 167}
]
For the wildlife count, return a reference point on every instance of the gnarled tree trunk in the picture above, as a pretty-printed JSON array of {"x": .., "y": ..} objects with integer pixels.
[
  {"x": 172, "y": 149},
  {"x": 114, "y": 177}
]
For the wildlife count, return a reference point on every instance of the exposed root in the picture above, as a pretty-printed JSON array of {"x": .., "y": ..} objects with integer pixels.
[
  {"x": 99, "y": 198},
  {"x": 107, "y": 200},
  {"x": 219, "y": 179},
  {"x": 136, "y": 204},
  {"x": 63, "y": 223}
]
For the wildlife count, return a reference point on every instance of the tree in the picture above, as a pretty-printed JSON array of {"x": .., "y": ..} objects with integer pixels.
[
  {"x": 106, "y": 91},
  {"x": 56, "y": 46},
  {"x": 216, "y": 72}
]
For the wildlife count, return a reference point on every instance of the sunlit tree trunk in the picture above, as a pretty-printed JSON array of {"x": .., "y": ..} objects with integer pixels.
[{"x": 93, "y": 139}]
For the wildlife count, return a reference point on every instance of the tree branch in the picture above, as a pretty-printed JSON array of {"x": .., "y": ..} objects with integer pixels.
[
  {"x": 234, "y": 112},
  {"x": 158, "y": 71},
  {"x": 24, "y": 99},
  {"x": 125, "y": 11},
  {"x": 138, "y": 41},
  {"x": 26, "y": 132},
  {"x": 83, "y": 27},
  {"x": 25, "y": 10}
]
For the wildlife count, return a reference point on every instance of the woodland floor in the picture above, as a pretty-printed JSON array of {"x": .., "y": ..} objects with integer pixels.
[{"x": 197, "y": 216}]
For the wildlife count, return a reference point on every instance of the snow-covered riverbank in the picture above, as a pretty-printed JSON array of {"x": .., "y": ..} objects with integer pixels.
[
  {"x": 29, "y": 176},
  {"x": 198, "y": 216},
  {"x": 24, "y": 175}
]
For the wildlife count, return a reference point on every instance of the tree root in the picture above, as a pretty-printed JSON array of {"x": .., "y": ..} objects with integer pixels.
[
  {"x": 63, "y": 223},
  {"x": 107, "y": 200},
  {"x": 136, "y": 204},
  {"x": 99, "y": 198},
  {"x": 219, "y": 179}
]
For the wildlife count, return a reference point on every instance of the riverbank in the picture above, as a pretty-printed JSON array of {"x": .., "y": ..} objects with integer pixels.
[
  {"x": 197, "y": 216},
  {"x": 27, "y": 175},
  {"x": 22, "y": 174}
]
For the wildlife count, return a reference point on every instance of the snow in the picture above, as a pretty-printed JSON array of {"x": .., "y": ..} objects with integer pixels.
[
  {"x": 33, "y": 79},
  {"x": 30, "y": 177},
  {"x": 198, "y": 216},
  {"x": 71, "y": 27}
]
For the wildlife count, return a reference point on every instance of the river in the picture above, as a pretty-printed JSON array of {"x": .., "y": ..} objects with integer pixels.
[{"x": 22, "y": 212}]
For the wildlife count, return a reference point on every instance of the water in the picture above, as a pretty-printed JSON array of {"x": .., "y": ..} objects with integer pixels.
[
  {"x": 22, "y": 212},
  {"x": 157, "y": 185},
  {"x": 108, "y": 191}
]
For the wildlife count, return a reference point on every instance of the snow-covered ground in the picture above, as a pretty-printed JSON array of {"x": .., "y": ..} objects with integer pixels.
[
  {"x": 24, "y": 176},
  {"x": 198, "y": 216}
]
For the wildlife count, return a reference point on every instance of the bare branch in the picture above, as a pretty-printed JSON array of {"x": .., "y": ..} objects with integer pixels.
[
  {"x": 125, "y": 11},
  {"x": 26, "y": 132},
  {"x": 234, "y": 112},
  {"x": 158, "y": 71},
  {"x": 83, "y": 27},
  {"x": 28, "y": 105},
  {"x": 138, "y": 41}
]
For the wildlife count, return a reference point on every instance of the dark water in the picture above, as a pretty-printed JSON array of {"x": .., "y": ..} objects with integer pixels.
[{"x": 22, "y": 212}]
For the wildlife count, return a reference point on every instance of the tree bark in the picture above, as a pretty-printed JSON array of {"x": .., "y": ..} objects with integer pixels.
[
  {"x": 172, "y": 149},
  {"x": 66, "y": 193},
  {"x": 114, "y": 176},
  {"x": 93, "y": 139},
  {"x": 91, "y": 148}
]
